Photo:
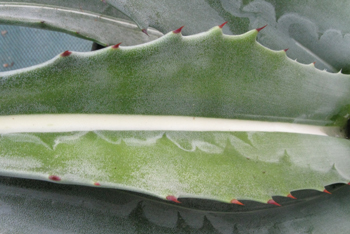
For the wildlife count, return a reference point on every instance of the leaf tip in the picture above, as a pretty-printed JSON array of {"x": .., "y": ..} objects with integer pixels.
[
  {"x": 66, "y": 53},
  {"x": 272, "y": 202},
  {"x": 222, "y": 25},
  {"x": 97, "y": 184},
  {"x": 291, "y": 196},
  {"x": 116, "y": 46},
  {"x": 259, "y": 29},
  {"x": 172, "y": 198},
  {"x": 285, "y": 50},
  {"x": 54, "y": 178},
  {"x": 235, "y": 201},
  {"x": 178, "y": 30}
]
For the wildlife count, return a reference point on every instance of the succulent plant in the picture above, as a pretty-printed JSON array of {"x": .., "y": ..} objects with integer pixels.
[{"x": 205, "y": 116}]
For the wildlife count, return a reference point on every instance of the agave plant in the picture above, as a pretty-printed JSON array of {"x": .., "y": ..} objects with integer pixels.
[{"x": 196, "y": 113}]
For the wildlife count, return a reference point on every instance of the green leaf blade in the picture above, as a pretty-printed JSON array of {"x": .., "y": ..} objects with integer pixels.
[
  {"x": 209, "y": 75},
  {"x": 211, "y": 165}
]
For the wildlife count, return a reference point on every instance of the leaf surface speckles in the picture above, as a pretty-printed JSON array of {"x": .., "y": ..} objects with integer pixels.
[
  {"x": 208, "y": 74},
  {"x": 212, "y": 165}
]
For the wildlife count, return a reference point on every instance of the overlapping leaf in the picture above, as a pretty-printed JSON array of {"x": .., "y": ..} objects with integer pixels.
[
  {"x": 209, "y": 74},
  {"x": 212, "y": 165},
  {"x": 313, "y": 31},
  {"x": 95, "y": 26},
  {"x": 28, "y": 205}
]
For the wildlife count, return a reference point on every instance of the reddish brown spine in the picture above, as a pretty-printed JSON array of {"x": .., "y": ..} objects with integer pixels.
[
  {"x": 172, "y": 198},
  {"x": 178, "y": 30},
  {"x": 235, "y": 201},
  {"x": 326, "y": 191},
  {"x": 66, "y": 53},
  {"x": 272, "y": 202},
  {"x": 54, "y": 178},
  {"x": 222, "y": 25},
  {"x": 259, "y": 29},
  {"x": 145, "y": 31},
  {"x": 116, "y": 46}
]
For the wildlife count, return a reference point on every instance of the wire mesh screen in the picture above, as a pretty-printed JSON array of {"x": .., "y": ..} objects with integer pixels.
[{"x": 24, "y": 47}]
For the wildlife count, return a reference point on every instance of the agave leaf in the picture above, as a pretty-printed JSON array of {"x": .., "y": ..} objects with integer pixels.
[
  {"x": 314, "y": 31},
  {"x": 28, "y": 154},
  {"x": 28, "y": 205},
  {"x": 209, "y": 74},
  {"x": 88, "y": 25},
  {"x": 96, "y": 6},
  {"x": 212, "y": 165},
  {"x": 24, "y": 47}
]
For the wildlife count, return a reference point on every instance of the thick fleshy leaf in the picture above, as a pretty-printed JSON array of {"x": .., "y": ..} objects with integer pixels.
[
  {"x": 314, "y": 31},
  {"x": 212, "y": 165},
  {"x": 209, "y": 74},
  {"x": 28, "y": 206},
  {"x": 96, "y": 6},
  {"x": 88, "y": 25}
]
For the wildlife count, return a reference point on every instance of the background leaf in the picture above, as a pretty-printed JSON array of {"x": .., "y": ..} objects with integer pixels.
[
  {"x": 212, "y": 165},
  {"x": 209, "y": 74},
  {"x": 93, "y": 26},
  {"x": 28, "y": 206},
  {"x": 314, "y": 31}
]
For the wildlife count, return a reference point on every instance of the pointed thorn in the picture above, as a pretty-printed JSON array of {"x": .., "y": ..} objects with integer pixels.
[
  {"x": 172, "y": 198},
  {"x": 326, "y": 191},
  {"x": 349, "y": 183},
  {"x": 285, "y": 50},
  {"x": 66, "y": 53},
  {"x": 259, "y": 29},
  {"x": 272, "y": 202},
  {"x": 97, "y": 184},
  {"x": 116, "y": 46},
  {"x": 291, "y": 196},
  {"x": 235, "y": 201},
  {"x": 145, "y": 31},
  {"x": 314, "y": 63},
  {"x": 54, "y": 178},
  {"x": 222, "y": 25},
  {"x": 178, "y": 30}
]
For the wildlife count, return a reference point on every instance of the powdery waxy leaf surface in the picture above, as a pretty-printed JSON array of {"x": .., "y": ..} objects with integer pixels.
[
  {"x": 212, "y": 165},
  {"x": 314, "y": 31},
  {"x": 209, "y": 75},
  {"x": 102, "y": 29},
  {"x": 44, "y": 208},
  {"x": 96, "y": 6}
]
